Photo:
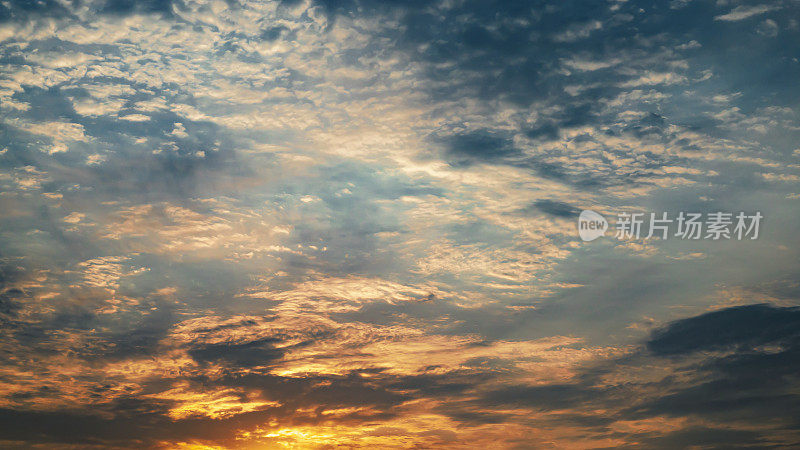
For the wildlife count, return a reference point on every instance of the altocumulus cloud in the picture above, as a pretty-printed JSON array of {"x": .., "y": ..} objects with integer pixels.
[{"x": 352, "y": 223}]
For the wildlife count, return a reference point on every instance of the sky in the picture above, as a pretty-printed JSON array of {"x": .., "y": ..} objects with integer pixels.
[{"x": 320, "y": 224}]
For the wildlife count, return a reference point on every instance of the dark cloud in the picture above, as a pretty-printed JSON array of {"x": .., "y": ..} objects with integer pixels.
[
  {"x": 261, "y": 352},
  {"x": 707, "y": 437},
  {"x": 25, "y": 10},
  {"x": 273, "y": 33},
  {"x": 9, "y": 302},
  {"x": 744, "y": 327},
  {"x": 752, "y": 379},
  {"x": 556, "y": 208},
  {"x": 478, "y": 146},
  {"x": 747, "y": 382},
  {"x": 546, "y": 398},
  {"x": 125, "y": 7},
  {"x": 11, "y": 298}
]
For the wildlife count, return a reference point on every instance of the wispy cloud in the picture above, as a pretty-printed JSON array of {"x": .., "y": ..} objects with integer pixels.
[{"x": 744, "y": 12}]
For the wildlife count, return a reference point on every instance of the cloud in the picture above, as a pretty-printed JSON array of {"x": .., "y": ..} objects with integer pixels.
[
  {"x": 743, "y": 12},
  {"x": 342, "y": 223},
  {"x": 132, "y": 7},
  {"x": 556, "y": 208},
  {"x": 749, "y": 326},
  {"x": 22, "y": 11},
  {"x": 254, "y": 353},
  {"x": 479, "y": 145}
]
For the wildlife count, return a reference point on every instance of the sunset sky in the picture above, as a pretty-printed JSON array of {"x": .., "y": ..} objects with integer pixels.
[{"x": 353, "y": 224}]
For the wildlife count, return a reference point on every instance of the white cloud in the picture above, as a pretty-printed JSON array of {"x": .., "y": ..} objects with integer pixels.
[{"x": 743, "y": 12}]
